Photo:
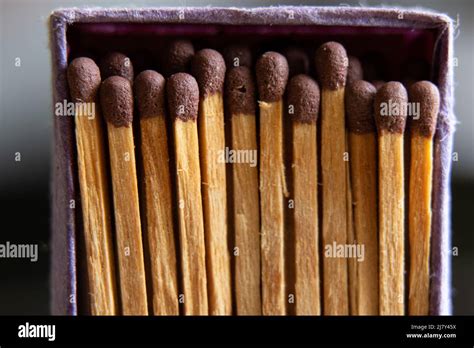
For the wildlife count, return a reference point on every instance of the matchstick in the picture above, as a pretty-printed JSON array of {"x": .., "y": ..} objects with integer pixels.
[
  {"x": 208, "y": 67},
  {"x": 177, "y": 57},
  {"x": 241, "y": 105},
  {"x": 390, "y": 116},
  {"x": 303, "y": 97},
  {"x": 354, "y": 73},
  {"x": 116, "y": 99},
  {"x": 272, "y": 76},
  {"x": 183, "y": 103},
  {"x": 426, "y": 95},
  {"x": 351, "y": 238},
  {"x": 149, "y": 89},
  {"x": 84, "y": 82},
  {"x": 116, "y": 64},
  {"x": 363, "y": 162},
  {"x": 331, "y": 65}
]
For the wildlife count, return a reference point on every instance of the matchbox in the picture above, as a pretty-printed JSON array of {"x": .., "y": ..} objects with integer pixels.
[{"x": 393, "y": 44}]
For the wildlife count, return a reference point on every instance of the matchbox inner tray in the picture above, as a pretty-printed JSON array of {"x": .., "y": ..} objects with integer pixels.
[{"x": 395, "y": 44}]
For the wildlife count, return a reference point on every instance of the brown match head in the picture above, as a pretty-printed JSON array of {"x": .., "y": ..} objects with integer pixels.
[
  {"x": 272, "y": 76},
  {"x": 240, "y": 91},
  {"x": 208, "y": 67},
  {"x": 298, "y": 61},
  {"x": 116, "y": 64},
  {"x": 238, "y": 55},
  {"x": 354, "y": 70},
  {"x": 83, "y": 77},
  {"x": 177, "y": 57},
  {"x": 116, "y": 100},
  {"x": 426, "y": 95},
  {"x": 390, "y": 108},
  {"x": 183, "y": 97},
  {"x": 303, "y": 95},
  {"x": 149, "y": 90},
  {"x": 359, "y": 107},
  {"x": 331, "y": 65}
]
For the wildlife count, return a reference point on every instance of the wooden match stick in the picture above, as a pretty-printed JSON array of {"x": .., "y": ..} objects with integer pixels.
[
  {"x": 150, "y": 96},
  {"x": 272, "y": 76},
  {"x": 354, "y": 73},
  {"x": 208, "y": 67},
  {"x": 183, "y": 103},
  {"x": 303, "y": 97},
  {"x": 363, "y": 162},
  {"x": 84, "y": 82},
  {"x": 241, "y": 105},
  {"x": 116, "y": 64},
  {"x": 390, "y": 116},
  {"x": 426, "y": 95},
  {"x": 331, "y": 65},
  {"x": 116, "y": 99},
  {"x": 177, "y": 57}
]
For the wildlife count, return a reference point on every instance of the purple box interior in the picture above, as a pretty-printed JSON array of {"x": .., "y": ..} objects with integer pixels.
[{"x": 397, "y": 44}]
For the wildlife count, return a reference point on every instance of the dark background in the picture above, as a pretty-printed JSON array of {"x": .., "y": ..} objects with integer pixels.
[{"x": 26, "y": 127}]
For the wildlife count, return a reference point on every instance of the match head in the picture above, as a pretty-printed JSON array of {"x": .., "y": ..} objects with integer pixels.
[
  {"x": 116, "y": 64},
  {"x": 177, "y": 57},
  {"x": 149, "y": 89},
  {"x": 272, "y": 76},
  {"x": 208, "y": 67},
  {"x": 303, "y": 95},
  {"x": 354, "y": 70},
  {"x": 298, "y": 61},
  {"x": 331, "y": 65},
  {"x": 83, "y": 77},
  {"x": 238, "y": 55},
  {"x": 359, "y": 107},
  {"x": 183, "y": 97},
  {"x": 240, "y": 91},
  {"x": 427, "y": 95},
  {"x": 390, "y": 107},
  {"x": 116, "y": 100}
]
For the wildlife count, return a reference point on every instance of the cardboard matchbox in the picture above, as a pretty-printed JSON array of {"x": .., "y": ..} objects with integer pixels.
[{"x": 391, "y": 38}]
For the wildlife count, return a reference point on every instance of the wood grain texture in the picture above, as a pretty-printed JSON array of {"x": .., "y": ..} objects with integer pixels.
[
  {"x": 246, "y": 219},
  {"x": 190, "y": 213},
  {"x": 334, "y": 210},
  {"x": 96, "y": 214},
  {"x": 305, "y": 187},
  {"x": 127, "y": 221},
  {"x": 214, "y": 194},
  {"x": 159, "y": 215},
  {"x": 419, "y": 222},
  {"x": 272, "y": 193},
  {"x": 352, "y": 266},
  {"x": 363, "y": 163},
  {"x": 391, "y": 224}
]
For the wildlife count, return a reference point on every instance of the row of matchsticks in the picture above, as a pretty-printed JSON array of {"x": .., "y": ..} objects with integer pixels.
[{"x": 192, "y": 235}]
